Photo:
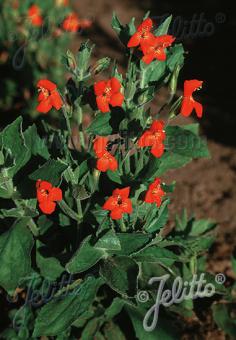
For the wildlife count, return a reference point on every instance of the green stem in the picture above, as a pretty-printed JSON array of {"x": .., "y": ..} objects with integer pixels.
[
  {"x": 122, "y": 226},
  {"x": 68, "y": 211},
  {"x": 96, "y": 176},
  {"x": 79, "y": 209},
  {"x": 33, "y": 227},
  {"x": 80, "y": 126},
  {"x": 68, "y": 126}
]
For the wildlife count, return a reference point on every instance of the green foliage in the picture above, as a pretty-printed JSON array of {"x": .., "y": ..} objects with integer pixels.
[{"x": 77, "y": 270}]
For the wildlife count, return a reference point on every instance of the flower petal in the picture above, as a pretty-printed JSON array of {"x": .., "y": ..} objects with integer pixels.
[
  {"x": 187, "y": 107},
  {"x": 47, "y": 207},
  {"x": 55, "y": 194},
  {"x": 134, "y": 40},
  {"x": 148, "y": 58},
  {"x": 124, "y": 193},
  {"x": 103, "y": 164},
  {"x": 116, "y": 214},
  {"x": 110, "y": 204},
  {"x": 44, "y": 106},
  {"x": 117, "y": 99},
  {"x": 56, "y": 100},
  {"x": 115, "y": 85},
  {"x": 99, "y": 87},
  {"x": 157, "y": 150},
  {"x": 46, "y": 84},
  {"x": 198, "y": 108},
  {"x": 103, "y": 104}
]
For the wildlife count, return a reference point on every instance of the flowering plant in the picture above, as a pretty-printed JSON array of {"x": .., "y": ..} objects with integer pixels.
[
  {"x": 84, "y": 228},
  {"x": 29, "y": 32}
]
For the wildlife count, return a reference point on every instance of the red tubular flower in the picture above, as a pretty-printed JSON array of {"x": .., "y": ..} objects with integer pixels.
[
  {"x": 108, "y": 93},
  {"x": 47, "y": 195},
  {"x": 188, "y": 103},
  {"x": 48, "y": 96},
  {"x": 105, "y": 160},
  {"x": 155, "y": 48},
  {"x": 154, "y": 137},
  {"x": 143, "y": 34},
  {"x": 34, "y": 14},
  {"x": 155, "y": 193},
  {"x": 71, "y": 23},
  {"x": 119, "y": 203}
]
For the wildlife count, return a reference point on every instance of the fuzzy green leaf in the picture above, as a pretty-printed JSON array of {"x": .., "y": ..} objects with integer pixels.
[{"x": 15, "y": 249}]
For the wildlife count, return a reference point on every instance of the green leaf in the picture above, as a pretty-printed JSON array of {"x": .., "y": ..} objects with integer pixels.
[
  {"x": 85, "y": 257},
  {"x": 163, "y": 28},
  {"x": 50, "y": 171},
  {"x": 36, "y": 145},
  {"x": 171, "y": 161},
  {"x": 100, "y": 125},
  {"x": 221, "y": 315},
  {"x": 60, "y": 313},
  {"x": 153, "y": 72},
  {"x": 115, "y": 24},
  {"x": 15, "y": 249},
  {"x": 113, "y": 331},
  {"x": 161, "y": 219},
  {"x": 117, "y": 272},
  {"x": 114, "y": 176},
  {"x": 109, "y": 241},
  {"x": 12, "y": 139},
  {"x": 175, "y": 57},
  {"x": 200, "y": 227},
  {"x": 115, "y": 308},
  {"x": 234, "y": 264},
  {"x": 156, "y": 254},
  {"x": 49, "y": 267},
  {"x": 185, "y": 143},
  {"x": 131, "y": 243},
  {"x": 162, "y": 331}
]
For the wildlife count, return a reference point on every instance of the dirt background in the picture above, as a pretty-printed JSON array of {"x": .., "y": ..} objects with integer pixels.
[{"x": 206, "y": 187}]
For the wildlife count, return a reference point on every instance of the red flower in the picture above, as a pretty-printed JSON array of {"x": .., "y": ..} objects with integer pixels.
[
  {"x": 47, "y": 195},
  {"x": 108, "y": 93},
  {"x": 48, "y": 96},
  {"x": 155, "y": 193},
  {"x": 71, "y": 23},
  {"x": 105, "y": 160},
  {"x": 188, "y": 103},
  {"x": 154, "y": 137},
  {"x": 34, "y": 14},
  {"x": 143, "y": 34},
  {"x": 155, "y": 48},
  {"x": 119, "y": 203}
]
